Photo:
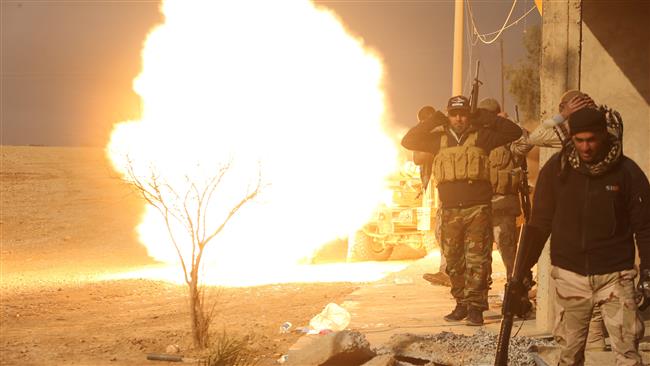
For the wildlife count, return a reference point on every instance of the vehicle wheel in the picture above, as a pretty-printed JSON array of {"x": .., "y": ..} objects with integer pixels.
[
  {"x": 405, "y": 252},
  {"x": 362, "y": 247}
]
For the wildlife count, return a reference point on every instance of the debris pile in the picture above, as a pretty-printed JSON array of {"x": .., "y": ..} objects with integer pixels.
[
  {"x": 447, "y": 348},
  {"x": 350, "y": 348}
]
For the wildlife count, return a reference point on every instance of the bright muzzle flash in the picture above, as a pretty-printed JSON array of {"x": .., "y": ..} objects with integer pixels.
[{"x": 276, "y": 86}]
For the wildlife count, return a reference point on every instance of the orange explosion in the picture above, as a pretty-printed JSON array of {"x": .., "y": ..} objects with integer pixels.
[{"x": 279, "y": 85}]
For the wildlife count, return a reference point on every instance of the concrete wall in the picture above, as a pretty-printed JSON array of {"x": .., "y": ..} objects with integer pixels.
[
  {"x": 615, "y": 67},
  {"x": 603, "y": 49},
  {"x": 560, "y": 72}
]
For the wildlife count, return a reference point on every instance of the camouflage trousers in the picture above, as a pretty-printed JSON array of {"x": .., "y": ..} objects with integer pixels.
[
  {"x": 505, "y": 235},
  {"x": 576, "y": 298},
  {"x": 466, "y": 243}
]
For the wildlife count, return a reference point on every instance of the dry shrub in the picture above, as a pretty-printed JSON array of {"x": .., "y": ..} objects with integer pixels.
[{"x": 230, "y": 350}]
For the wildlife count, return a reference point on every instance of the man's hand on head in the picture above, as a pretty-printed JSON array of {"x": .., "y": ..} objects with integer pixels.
[
  {"x": 438, "y": 119},
  {"x": 575, "y": 104},
  {"x": 483, "y": 118}
]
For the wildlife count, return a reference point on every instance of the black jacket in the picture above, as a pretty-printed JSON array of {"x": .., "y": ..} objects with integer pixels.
[
  {"x": 592, "y": 220},
  {"x": 493, "y": 131}
]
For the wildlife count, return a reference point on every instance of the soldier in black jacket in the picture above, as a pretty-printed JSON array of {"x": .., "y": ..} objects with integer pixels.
[{"x": 594, "y": 202}]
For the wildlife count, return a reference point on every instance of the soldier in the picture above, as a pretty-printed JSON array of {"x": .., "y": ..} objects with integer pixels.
[
  {"x": 594, "y": 202},
  {"x": 424, "y": 159},
  {"x": 460, "y": 144},
  {"x": 506, "y": 177},
  {"x": 554, "y": 132}
]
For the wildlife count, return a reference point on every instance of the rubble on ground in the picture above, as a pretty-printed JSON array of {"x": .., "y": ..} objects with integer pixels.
[
  {"x": 447, "y": 348},
  {"x": 350, "y": 348}
]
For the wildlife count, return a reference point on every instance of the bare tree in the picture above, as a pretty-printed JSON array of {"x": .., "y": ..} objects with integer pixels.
[{"x": 188, "y": 206}]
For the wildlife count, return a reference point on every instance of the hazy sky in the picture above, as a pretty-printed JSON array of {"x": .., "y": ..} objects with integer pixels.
[{"x": 67, "y": 66}]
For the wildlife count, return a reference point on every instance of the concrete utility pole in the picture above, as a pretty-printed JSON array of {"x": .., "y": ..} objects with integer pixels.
[
  {"x": 559, "y": 72},
  {"x": 457, "y": 74}
]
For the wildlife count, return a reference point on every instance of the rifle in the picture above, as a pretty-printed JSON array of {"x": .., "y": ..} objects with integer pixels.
[
  {"x": 516, "y": 286},
  {"x": 473, "y": 100},
  {"x": 524, "y": 189}
]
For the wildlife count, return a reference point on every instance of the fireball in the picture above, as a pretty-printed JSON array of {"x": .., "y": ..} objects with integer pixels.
[{"x": 272, "y": 89}]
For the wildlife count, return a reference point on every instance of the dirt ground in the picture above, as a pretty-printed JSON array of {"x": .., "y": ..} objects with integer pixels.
[{"x": 65, "y": 220}]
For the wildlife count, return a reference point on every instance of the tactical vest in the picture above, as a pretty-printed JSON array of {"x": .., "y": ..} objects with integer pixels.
[
  {"x": 505, "y": 172},
  {"x": 462, "y": 162}
]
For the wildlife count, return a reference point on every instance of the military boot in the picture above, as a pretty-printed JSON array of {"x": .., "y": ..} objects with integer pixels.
[
  {"x": 438, "y": 278},
  {"x": 474, "y": 316},
  {"x": 458, "y": 314}
]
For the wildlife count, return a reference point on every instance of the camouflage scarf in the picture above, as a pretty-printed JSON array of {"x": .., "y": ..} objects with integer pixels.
[{"x": 615, "y": 137}]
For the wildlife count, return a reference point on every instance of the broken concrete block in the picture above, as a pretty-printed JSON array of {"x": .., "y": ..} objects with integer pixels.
[{"x": 344, "y": 348}]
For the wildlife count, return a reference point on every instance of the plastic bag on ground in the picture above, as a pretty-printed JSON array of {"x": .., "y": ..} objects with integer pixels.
[{"x": 333, "y": 317}]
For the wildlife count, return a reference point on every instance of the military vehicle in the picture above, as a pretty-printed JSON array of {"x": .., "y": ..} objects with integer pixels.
[{"x": 404, "y": 225}]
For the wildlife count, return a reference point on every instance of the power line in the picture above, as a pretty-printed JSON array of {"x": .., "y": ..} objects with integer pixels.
[
  {"x": 469, "y": 46},
  {"x": 483, "y": 36},
  {"x": 503, "y": 27},
  {"x": 513, "y": 23}
]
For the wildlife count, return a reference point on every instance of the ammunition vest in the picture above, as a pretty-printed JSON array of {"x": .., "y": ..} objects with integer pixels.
[
  {"x": 505, "y": 172},
  {"x": 462, "y": 162}
]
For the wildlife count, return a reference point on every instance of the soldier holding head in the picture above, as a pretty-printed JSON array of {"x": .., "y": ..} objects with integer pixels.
[
  {"x": 506, "y": 177},
  {"x": 461, "y": 174},
  {"x": 424, "y": 159}
]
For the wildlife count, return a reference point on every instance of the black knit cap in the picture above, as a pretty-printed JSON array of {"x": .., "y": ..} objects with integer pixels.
[{"x": 587, "y": 120}]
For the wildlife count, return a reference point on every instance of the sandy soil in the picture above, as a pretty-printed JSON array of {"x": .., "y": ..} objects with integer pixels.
[{"x": 65, "y": 219}]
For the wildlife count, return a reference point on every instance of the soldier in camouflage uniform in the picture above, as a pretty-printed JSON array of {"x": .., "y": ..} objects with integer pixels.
[
  {"x": 506, "y": 177},
  {"x": 461, "y": 144}
]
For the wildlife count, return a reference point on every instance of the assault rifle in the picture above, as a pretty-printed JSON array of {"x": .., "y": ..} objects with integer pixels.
[
  {"x": 473, "y": 100},
  {"x": 515, "y": 300},
  {"x": 524, "y": 189}
]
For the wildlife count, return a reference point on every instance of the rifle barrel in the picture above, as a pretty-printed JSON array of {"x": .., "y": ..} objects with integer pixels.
[
  {"x": 475, "y": 85},
  {"x": 501, "y": 358}
]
